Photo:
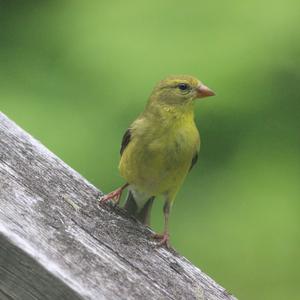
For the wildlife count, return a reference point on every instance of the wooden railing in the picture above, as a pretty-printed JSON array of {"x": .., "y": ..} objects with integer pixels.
[{"x": 57, "y": 243}]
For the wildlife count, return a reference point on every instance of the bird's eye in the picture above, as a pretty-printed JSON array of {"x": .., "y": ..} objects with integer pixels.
[{"x": 183, "y": 86}]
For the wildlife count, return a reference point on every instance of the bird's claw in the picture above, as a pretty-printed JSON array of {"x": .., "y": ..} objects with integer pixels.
[
  {"x": 114, "y": 197},
  {"x": 164, "y": 239}
]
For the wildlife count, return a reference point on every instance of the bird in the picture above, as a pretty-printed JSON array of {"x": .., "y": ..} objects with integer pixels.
[{"x": 159, "y": 149}]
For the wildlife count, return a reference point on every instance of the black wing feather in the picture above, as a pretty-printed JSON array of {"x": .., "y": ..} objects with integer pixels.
[
  {"x": 125, "y": 140},
  {"x": 194, "y": 160}
]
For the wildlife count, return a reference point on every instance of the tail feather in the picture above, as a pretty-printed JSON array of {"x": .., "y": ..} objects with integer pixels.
[{"x": 144, "y": 214}]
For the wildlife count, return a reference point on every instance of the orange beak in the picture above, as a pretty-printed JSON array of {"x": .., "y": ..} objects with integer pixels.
[{"x": 204, "y": 91}]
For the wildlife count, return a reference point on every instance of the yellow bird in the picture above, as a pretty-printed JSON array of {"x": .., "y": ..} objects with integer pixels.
[{"x": 160, "y": 148}]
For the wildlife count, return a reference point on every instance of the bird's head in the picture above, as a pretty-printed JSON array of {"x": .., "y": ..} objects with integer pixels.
[{"x": 179, "y": 90}]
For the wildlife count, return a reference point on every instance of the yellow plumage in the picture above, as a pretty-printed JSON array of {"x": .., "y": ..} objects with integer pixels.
[
  {"x": 159, "y": 155},
  {"x": 160, "y": 147}
]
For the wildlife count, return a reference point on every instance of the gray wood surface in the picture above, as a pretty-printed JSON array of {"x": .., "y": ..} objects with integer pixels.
[{"x": 56, "y": 243}]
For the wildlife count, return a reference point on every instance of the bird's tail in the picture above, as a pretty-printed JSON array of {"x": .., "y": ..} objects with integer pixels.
[{"x": 144, "y": 214}]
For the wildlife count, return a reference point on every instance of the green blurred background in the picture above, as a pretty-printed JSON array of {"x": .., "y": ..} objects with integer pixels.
[{"x": 76, "y": 73}]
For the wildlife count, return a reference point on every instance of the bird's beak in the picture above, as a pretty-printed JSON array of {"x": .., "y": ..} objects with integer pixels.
[{"x": 204, "y": 91}]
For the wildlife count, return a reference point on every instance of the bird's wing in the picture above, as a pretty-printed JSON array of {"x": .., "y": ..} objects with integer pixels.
[
  {"x": 125, "y": 140},
  {"x": 194, "y": 160}
]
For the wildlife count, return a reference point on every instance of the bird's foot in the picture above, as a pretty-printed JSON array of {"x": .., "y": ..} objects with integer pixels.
[
  {"x": 113, "y": 196},
  {"x": 164, "y": 239}
]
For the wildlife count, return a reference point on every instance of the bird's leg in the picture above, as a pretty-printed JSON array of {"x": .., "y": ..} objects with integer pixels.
[
  {"x": 165, "y": 236},
  {"x": 114, "y": 196}
]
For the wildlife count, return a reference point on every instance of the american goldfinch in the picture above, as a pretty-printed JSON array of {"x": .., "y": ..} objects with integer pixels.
[{"x": 159, "y": 149}]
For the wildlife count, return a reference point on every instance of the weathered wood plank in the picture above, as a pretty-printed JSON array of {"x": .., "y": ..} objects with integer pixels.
[{"x": 56, "y": 243}]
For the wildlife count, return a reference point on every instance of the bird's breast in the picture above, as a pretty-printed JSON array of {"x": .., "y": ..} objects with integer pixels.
[{"x": 173, "y": 147}]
